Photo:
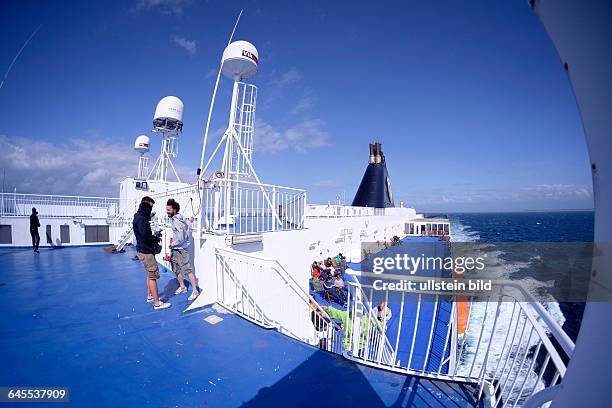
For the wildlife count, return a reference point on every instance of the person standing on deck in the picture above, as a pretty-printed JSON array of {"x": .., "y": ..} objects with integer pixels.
[
  {"x": 147, "y": 246},
  {"x": 34, "y": 225},
  {"x": 179, "y": 258}
]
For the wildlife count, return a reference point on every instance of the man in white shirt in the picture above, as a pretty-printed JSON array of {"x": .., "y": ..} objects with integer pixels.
[{"x": 179, "y": 260}]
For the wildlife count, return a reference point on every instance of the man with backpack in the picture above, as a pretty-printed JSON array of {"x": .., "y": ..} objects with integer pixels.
[{"x": 147, "y": 246}]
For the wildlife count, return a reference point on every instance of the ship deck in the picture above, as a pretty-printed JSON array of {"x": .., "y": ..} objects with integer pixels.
[{"x": 77, "y": 317}]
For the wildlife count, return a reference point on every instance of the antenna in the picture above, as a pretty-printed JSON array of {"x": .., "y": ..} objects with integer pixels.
[
  {"x": 167, "y": 122},
  {"x": 141, "y": 145},
  {"x": 214, "y": 95},
  {"x": 240, "y": 62}
]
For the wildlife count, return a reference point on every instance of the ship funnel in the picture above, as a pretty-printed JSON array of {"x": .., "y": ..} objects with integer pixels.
[{"x": 375, "y": 188}]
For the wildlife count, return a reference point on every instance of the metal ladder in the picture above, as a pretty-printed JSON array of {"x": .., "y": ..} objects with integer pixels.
[{"x": 125, "y": 238}]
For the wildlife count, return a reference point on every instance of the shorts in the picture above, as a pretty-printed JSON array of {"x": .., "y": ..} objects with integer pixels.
[
  {"x": 150, "y": 265},
  {"x": 179, "y": 262}
]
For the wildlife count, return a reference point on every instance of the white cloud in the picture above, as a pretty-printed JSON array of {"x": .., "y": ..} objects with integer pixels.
[
  {"x": 302, "y": 137},
  {"x": 289, "y": 77},
  {"x": 79, "y": 167},
  {"x": 540, "y": 194},
  {"x": 305, "y": 103},
  {"x": 187, "y": 45},
  {"x": 212, "y": 73},
  {"x": 555, "y": 191},
  {"x": 268, "y": 139},
  {"x": 168, "y": 7},
  {"x": 332, "y": 184}
]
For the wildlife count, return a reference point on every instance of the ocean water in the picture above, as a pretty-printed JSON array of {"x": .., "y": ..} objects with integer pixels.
[
  {"x": 494, "y": 231},
  {"x": 554, "y": 226}
]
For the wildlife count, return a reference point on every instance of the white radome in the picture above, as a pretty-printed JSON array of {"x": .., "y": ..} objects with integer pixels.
[
  {"x": 170, "y": 108},
  {"x": 142, "y": 143},
  {"x": 240, "y": 61}
]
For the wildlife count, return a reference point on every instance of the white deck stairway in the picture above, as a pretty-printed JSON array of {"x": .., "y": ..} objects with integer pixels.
[{"x": 126, "y": 237}]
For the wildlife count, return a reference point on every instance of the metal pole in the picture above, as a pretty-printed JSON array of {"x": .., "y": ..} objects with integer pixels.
[
  {"x": 210, "y": 110},
  {"x": 212, "y": 101}
]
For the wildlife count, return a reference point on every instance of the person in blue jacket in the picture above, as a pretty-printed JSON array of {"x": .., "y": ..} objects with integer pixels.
[
  {"x": 34, "y": 225},
  {"x": 147, "y": 246}
]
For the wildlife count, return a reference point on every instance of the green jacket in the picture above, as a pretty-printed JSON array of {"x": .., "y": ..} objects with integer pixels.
[{"x": 342, "y": 316}]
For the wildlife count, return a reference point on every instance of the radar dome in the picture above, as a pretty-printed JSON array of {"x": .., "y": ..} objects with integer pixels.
[
  {"x": 141, "y": 145},
  {"x": 240, "y": 60},
  {"x": 168, "y": 114}
]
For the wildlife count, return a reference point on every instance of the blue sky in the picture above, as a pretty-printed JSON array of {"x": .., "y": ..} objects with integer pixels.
[{"x": 469, "y": 100}]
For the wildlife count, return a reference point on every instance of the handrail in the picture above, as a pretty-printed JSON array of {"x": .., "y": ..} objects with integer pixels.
[
  {"x": 373, "y": 319},
  {"x": 241, "y": 207},
  {"x": 54, "y": 206},
  {"x": 266, "y": 319},
  {"x": 255, "y": 184},
  {"x": 510, "y": 375},
  {"x": 286, "y": 276},
  {"x": 59, "y": 196},
  {"x": 542, "y": 397},
  {"x": 131, "y": 204},
  {"x": 564, "y": 340}
]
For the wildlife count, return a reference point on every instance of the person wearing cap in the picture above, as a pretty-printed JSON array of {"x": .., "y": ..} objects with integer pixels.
[{"x": 34, "y": 225}]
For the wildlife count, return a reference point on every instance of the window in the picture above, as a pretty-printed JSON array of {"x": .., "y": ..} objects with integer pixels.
[
  {"x": 49, "y": 238},
  {"x": 96, "y": 233},
  {"x": 65, "y": 234},
  {"x": 6, "y": 234}
]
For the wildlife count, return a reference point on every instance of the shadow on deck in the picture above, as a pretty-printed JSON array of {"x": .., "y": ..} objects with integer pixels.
[{"x": 77, "y": 317}]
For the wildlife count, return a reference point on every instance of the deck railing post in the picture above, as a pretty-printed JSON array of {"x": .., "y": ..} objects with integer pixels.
[{"x": 273, "y": 208}]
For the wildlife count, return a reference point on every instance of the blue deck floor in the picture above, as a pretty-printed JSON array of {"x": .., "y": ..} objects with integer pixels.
[
  {"x": 414, "y": 247},
  {"x": 77, "y": 317}
]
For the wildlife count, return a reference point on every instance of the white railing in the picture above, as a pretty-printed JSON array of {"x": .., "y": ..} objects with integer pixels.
[
  {"x": 57, "y": 206},
  {"x": 187, "y": 197},
  {"x": 341, "y": 211},
  {"x": 244, "y": 207},
  {"x": 262, "y": 291},
  {"x": 365, "y": 338},
  {"x": 506, "y": 349}
]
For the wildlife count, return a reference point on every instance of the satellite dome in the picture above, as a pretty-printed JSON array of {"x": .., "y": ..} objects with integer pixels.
[
  {"x": 168, "y": 114},
  {"x": 240, "y": 60},
  {"x": 141, "y": 145}
]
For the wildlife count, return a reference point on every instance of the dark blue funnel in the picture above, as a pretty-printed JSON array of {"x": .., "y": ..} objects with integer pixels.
[{"x": 375, "y": 187}]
